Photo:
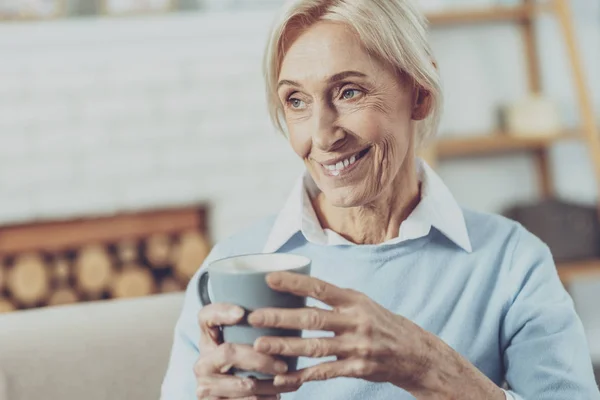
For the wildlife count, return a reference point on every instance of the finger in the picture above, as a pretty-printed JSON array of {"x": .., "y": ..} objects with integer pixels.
[
  {"x": 309, "y": 318},
  {"x": 211, "y": 318},
  {"x": 253, "y": 397},
  {"x": 225, "y": 386},
  {"x": 299, "y": 347},
  {"x": 228, "y": 355},
  {"x": 302, "y": 285},
  {"x": 217, "y": 386},
  {"x": 276, "y": 397},
  {"x": 351, "y": 368}
]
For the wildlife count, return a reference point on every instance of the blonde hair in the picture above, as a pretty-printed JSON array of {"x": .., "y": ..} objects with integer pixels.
[{"x": 393, "y": 31}]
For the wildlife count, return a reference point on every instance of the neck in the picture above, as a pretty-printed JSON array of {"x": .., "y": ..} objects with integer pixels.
[{"x": 379, "y": 220}]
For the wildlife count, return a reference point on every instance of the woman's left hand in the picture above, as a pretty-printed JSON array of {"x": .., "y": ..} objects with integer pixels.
[{"x": 370, "y": 342}]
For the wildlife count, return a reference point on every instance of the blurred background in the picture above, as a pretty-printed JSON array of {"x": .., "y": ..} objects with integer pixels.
[{"x": 134, "y": 135}]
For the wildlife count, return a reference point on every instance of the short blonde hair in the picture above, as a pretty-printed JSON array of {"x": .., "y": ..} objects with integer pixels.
[{"x": 393, "y": 31}]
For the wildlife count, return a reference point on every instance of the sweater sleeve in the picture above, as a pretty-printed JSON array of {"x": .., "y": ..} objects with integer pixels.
[
  {"x": 545, "y": 349},
  {"x": 179, "y": 382}
]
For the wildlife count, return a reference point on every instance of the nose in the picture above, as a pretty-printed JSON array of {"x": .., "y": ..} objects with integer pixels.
[{"x": 327, "y": 134}]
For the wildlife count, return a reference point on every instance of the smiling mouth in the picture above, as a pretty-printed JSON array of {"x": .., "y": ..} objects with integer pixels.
[{"x": 342, "y": 165}]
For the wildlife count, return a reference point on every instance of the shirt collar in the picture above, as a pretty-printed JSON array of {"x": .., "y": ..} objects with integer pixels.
[{"x": 437, "y": 209}]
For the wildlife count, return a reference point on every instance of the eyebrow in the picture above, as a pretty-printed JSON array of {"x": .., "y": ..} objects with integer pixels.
[{"x": 334, "y": 78}]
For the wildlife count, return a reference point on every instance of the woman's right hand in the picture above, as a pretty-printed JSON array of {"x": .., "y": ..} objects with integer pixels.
[{"x": 217, "y": 358}]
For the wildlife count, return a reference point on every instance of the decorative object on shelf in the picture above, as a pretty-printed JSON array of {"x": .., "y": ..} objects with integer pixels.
[
  {"x": 571, "y": 231},
  {"x": 31, "y": 9},
  {"x": 531, "y": 116},
  {"x": 128, "y": 255},
  {"x": 128, "y": 7}
]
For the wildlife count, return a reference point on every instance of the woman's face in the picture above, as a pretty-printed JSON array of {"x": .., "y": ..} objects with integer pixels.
[{"x": 349, "y": 117}]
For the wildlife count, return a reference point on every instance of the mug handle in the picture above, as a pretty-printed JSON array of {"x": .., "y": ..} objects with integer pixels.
[{"x": 203, "y": 289}]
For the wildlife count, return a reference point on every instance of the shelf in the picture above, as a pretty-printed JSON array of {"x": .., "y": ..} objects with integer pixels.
[
  {"x": 572, "y": 271},
  {"x": 485, "y": 14},
  {"x": 64, "y": 235},
  {"x": 495, "y": 143}
]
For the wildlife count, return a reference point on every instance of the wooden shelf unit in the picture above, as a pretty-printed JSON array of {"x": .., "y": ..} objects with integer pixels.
[
  {"x": 523, "y": 15},
  {"x": 494, "y": 143},
  {"x": 484, "y": 14}
]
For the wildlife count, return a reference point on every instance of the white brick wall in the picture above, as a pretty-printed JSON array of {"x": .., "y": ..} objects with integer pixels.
[
  {"x": 99, "y": 116},
  {"x": 104, "y": 115}
]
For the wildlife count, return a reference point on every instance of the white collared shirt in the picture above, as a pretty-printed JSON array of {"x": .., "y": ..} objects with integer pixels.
[{"x": 437, "y": 209}]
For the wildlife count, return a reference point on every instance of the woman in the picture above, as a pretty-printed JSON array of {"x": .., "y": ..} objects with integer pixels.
[{"x": 421, "y": 298}]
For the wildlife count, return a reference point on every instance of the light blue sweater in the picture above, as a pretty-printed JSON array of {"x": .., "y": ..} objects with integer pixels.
[{"x": 501, "y": 306}]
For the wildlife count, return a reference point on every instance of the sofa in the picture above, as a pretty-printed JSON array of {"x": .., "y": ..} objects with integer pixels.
[{"x": 108, "y": 350}]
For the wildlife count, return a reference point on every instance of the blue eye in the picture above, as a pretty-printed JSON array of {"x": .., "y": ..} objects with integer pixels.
[
  {"x": 296, "y": 103},
  {"x": 350, "y": 94}
]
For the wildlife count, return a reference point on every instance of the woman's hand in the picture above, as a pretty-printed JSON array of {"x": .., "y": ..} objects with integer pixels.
[
  {"x": 370, "y": 343},
  {"x": 217, "y": 358}
]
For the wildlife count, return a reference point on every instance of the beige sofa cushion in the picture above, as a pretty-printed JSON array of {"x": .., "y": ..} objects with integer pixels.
[{"x": 111, "y": 350}]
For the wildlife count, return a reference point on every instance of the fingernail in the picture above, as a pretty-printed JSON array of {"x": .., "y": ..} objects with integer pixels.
[
  {"x": 249, "y": 384},
  {"x": 236, "y": 313},
  {"x": 281, "y": 367},
  {"x": 225, "y": 369},
  {"x": 255, "y": 318},
  {"x": 274, "y": 278},
  {"x": 261, "y": 345},
  {"x": 279, "y": 381}
]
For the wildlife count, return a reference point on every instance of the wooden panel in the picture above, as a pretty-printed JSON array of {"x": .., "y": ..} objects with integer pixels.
[
  {"x": 127, "y": 255},
  {"x": 584, "y": 98},
  {"x": 531, "y": 53},
  {"x": 483, "y": 145},
  {"x": 58, "y": 236},
  {"x": 545, "y": 181},
  {"x": 570, "y": 272},
  {"x": 485, "y": 14}
]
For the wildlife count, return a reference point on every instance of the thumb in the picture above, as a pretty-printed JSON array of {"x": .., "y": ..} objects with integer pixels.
[{"x": 212, "y": 317}]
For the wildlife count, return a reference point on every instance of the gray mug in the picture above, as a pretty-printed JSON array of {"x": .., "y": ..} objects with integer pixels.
[{"x": 241, "y": 280}]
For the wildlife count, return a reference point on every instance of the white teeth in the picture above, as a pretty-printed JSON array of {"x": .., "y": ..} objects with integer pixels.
[{"x": 340, "y": 165}]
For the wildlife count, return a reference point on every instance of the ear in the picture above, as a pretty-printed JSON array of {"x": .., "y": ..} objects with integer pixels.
[{"x": 422, "y": 105}]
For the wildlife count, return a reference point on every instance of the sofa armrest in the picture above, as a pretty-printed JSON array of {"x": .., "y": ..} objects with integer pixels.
[{"x": 108, "y": 350}]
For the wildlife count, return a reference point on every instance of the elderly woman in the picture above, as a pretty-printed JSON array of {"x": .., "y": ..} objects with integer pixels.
[{"x": 426, "y": 300}]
